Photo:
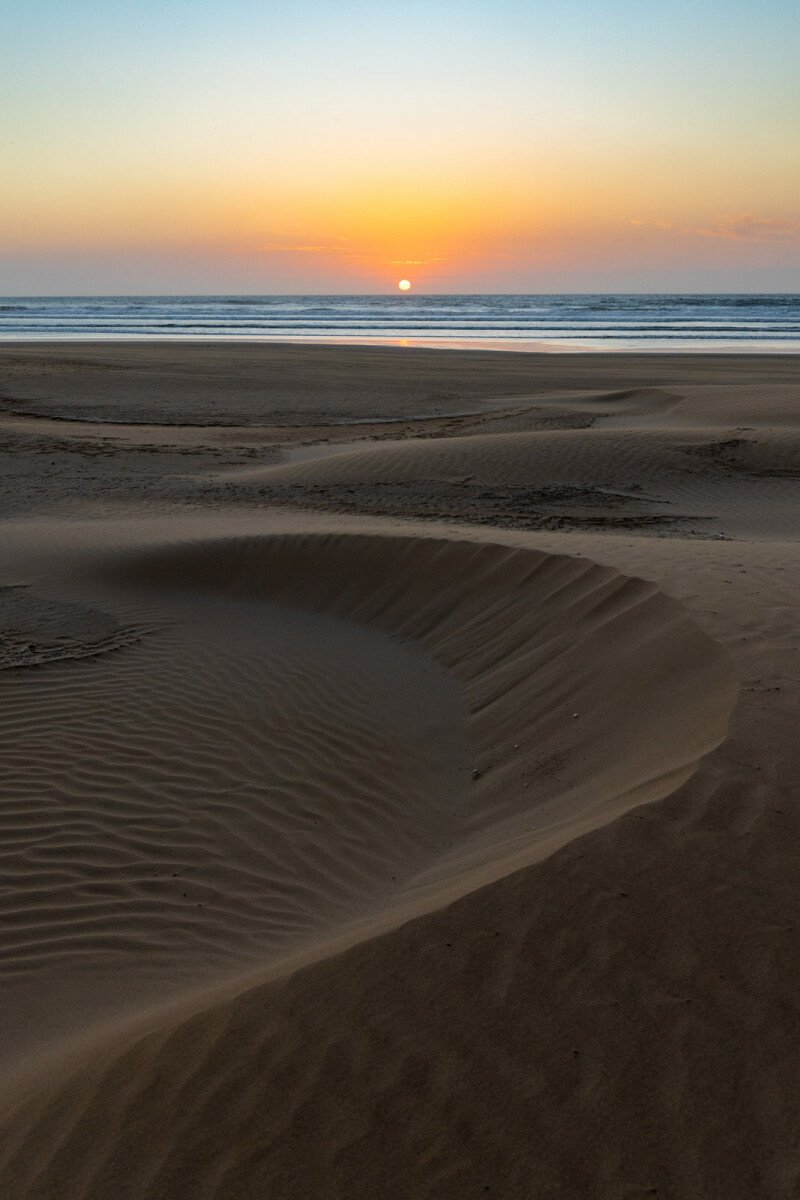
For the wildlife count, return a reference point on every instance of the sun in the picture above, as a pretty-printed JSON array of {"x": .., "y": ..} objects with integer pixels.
[{"x": 404, "y": 285}]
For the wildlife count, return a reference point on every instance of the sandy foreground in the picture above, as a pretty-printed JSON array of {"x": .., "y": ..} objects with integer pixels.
[{"x": 399, "y": 774}]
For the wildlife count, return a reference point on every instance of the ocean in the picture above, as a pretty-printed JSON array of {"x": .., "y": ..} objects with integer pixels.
[{"x": 605, "y": 322}]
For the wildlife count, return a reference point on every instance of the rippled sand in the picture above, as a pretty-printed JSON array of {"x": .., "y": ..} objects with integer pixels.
[{"x": 398, "y": 774}]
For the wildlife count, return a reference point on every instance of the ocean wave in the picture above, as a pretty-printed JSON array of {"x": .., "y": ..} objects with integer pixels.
[{"x": 571, "y": 319}]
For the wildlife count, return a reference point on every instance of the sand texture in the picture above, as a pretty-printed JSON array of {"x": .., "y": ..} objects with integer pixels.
[{"x": 398, "y": 779}]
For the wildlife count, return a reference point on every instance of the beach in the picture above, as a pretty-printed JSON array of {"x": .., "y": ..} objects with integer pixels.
[{"x": 399, "y": 773}]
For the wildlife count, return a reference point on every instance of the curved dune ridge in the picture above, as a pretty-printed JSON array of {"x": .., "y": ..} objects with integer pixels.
[
  {"x": 662, "y": 460},
  {"x": 328, "y": 737},
  {"x": 604, "y": 457},
  {"x": 634, "y": 467}
]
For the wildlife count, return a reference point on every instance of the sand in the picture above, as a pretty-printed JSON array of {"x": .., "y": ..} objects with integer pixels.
[{"x": 399, "y": 774}]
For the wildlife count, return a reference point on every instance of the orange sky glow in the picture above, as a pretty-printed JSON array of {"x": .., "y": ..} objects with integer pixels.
[{"x": 287, "y": 153}]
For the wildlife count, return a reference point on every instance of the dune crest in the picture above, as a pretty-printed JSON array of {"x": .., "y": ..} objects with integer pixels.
[
  {"x": 567, "y": 694},
  {"x": 537, "y": 641}
]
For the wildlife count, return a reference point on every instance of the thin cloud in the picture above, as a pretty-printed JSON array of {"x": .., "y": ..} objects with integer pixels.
[
  {"x": 344, "y": 251},
  {"x": 746, "y": 227},
  {"x": 657, "y": 224},
  {"x": 286, "y": 248},
  {"x": 490, "y": 254},
  {"x": 733, "y": 227}
]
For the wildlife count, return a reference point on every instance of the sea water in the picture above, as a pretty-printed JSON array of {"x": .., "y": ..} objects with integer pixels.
[{"x": 606, "y": 322}]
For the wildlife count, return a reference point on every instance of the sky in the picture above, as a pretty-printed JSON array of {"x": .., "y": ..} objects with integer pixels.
[{"x": 337, "y": 146}]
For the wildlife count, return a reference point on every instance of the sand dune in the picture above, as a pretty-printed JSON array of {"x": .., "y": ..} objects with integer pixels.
[
  {"x": 709, "y": 478},
  {"x": 363, "y": 856},
  {"x": 249, "y": 779},
  {"x": 590, "y": 457}
]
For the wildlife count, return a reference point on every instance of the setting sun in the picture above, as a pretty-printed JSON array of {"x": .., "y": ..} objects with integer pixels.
[{"x": 404, "y": 285}]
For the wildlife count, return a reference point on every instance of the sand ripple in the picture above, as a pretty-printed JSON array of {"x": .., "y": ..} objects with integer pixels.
[{"x": 322, "y": 737}]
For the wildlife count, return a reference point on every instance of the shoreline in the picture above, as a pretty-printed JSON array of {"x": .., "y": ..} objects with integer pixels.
[{"x": 500, "y": 345}]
